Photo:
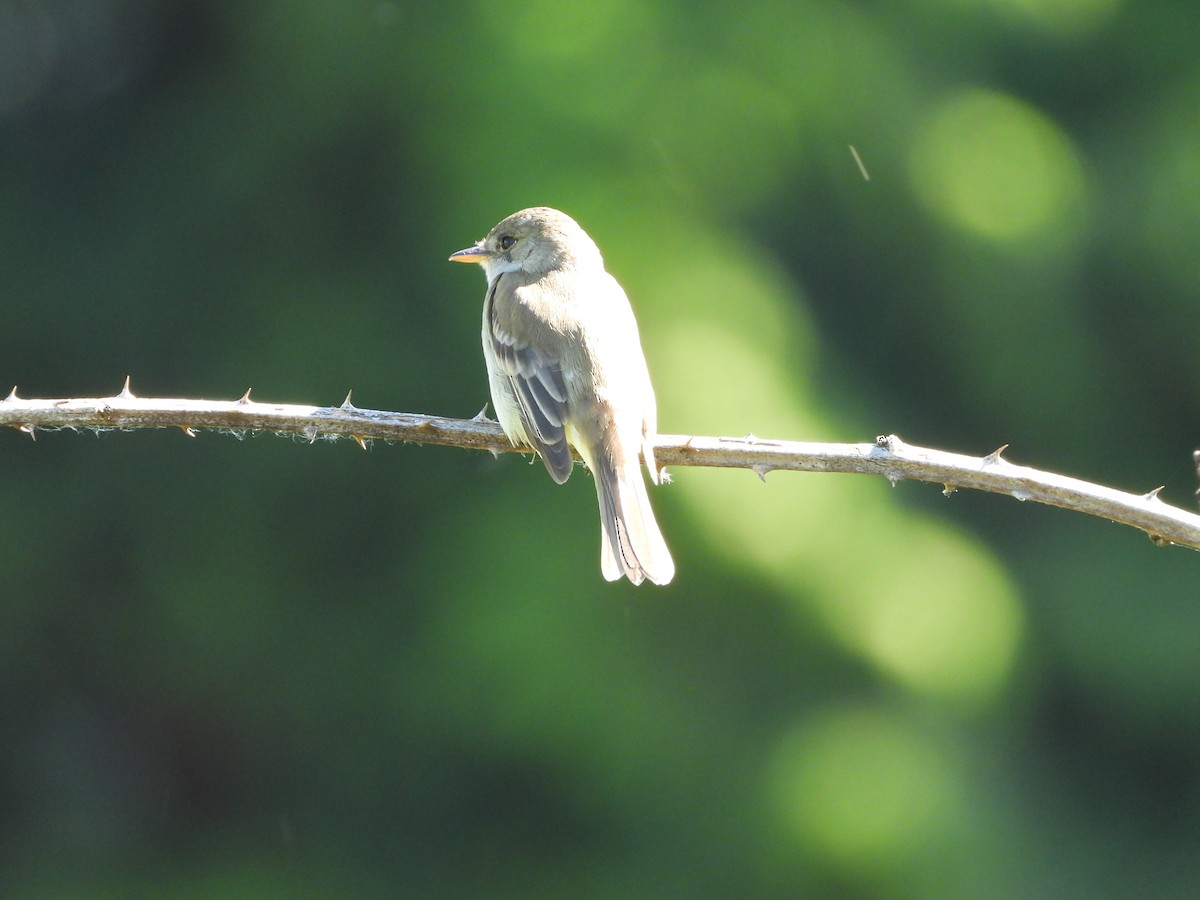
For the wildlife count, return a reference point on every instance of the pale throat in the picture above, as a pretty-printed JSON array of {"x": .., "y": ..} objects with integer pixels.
[{"x": 494, "y": 267}]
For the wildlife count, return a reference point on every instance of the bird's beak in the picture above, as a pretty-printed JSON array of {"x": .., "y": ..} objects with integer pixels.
[{"x": 478, "y": 253}]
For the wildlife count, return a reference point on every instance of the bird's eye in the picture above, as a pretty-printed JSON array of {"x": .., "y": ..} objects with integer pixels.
[{"x": 507, "y": 241}]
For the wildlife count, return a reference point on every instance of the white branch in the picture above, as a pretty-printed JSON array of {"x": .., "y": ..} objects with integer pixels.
[{"x": 887, "y": 456}]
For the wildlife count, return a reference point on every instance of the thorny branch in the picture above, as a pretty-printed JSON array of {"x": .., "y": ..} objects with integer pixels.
[{"x": 888, "y": 455}]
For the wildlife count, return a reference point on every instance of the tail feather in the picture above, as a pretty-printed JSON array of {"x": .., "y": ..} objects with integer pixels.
[{"x": 631, "y": 543}]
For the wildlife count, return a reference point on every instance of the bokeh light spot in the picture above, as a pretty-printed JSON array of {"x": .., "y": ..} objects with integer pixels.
[
  {"x": 862, "y": 787},
  {"x": 936, "y": 614},
  {"x": 995, "y": 166}
]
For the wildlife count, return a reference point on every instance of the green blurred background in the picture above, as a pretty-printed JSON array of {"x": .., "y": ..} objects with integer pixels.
[{"x": 262, "y": 668}]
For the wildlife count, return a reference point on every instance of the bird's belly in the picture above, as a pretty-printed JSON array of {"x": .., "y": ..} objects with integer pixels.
[{"x": 508, "y": 411}]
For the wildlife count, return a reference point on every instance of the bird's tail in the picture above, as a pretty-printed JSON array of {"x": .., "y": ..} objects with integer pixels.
[{"x": 630, "y": 542}]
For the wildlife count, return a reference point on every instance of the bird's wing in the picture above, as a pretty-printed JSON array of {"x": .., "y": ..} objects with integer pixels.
[{"x": 535, "y": 375}]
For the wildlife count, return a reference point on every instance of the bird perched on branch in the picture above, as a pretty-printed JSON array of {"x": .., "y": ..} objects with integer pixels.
[{"x": 567, "y": 370}]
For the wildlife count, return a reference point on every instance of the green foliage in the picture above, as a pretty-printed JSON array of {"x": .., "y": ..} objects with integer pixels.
[{"x": 264, "y": 668}]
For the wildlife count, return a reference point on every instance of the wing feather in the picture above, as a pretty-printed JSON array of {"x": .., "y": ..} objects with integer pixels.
[{"x": 536, "y": 380}]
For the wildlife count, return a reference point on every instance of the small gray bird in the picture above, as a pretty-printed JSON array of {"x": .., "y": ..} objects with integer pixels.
[{"x": 566, "y": 369}]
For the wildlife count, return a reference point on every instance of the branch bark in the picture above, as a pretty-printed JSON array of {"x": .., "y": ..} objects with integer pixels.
[{"x": 887, "y": 455}]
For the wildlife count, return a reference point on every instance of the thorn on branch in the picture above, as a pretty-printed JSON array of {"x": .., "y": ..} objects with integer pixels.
[
  {"x": 994, "y": 457},
  {"x": 761, "y": 472},
  {"x": 360, "y": 440},
  {"x": 347, "y": 405},
  {"x": 12, "y": 395},
  {"x": 28, "y": 429},
  {"x": 246, "y": 397},
  {"x": 1153, "y": 495},
  {"x": 482, "y": 415},
  {"x": 948, "y": 489},
  {"x": 188, "y": 430},
  {"x": 126, "y": 393}
]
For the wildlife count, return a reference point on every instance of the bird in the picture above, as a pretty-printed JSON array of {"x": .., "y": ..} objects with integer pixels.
[{"x": 566, "y": 370}]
